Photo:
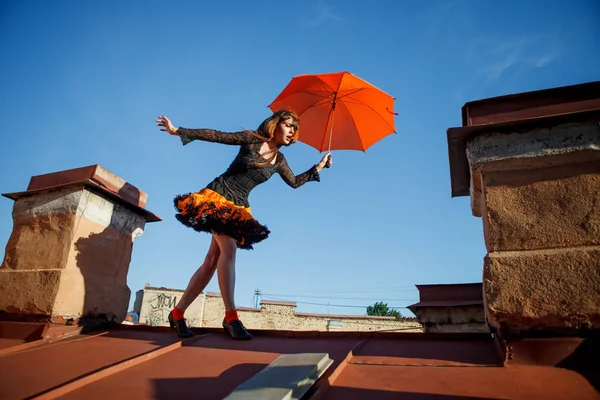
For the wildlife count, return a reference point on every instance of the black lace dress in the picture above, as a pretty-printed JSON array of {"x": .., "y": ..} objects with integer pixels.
[{"x": 222, "y": 206}]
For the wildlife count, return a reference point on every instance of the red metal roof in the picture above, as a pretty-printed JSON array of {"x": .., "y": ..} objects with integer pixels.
[{"x": 140, "y": 362}]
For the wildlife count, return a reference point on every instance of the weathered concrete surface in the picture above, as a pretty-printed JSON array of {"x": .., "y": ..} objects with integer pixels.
[
  {"x": 29, "y": 292},
  {"x": 544, "y": 147},
  {"x": 476, "y": 327},
  {"x": 540, "y": 208},
  {"x": 46, "y": 223},
  {"x": 452, "y": 319},
  {"x": 84, "y": 240},
  {"x": 543, "y": 142},
  {"x": 550, "y": 290},
  {"x": 538, "y": 193}
]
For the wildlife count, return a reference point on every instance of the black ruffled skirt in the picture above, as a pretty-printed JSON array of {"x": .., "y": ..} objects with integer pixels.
[{"x": 208, "y": 211}]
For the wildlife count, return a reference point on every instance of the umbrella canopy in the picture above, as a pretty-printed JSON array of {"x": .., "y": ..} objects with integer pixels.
[{"x": 338, "y": 111}]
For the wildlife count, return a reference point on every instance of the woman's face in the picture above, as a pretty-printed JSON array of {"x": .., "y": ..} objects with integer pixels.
[{"x": 285, "y": 131}]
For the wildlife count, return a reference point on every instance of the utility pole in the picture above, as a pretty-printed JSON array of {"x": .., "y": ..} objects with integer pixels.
[{"x": 256, "y": 298}]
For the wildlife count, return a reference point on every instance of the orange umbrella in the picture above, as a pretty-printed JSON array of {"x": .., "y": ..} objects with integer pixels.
[{"x": 363, "y": 114}]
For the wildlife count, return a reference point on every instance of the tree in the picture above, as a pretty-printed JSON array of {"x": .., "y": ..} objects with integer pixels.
[{"x": 381, "y": 309}]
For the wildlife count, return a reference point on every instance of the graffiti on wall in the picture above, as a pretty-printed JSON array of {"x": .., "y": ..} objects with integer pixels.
[{"x": 160, "y": 307}]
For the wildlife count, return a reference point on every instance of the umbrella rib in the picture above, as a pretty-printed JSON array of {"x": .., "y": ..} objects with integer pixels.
[
  {"x": 374, "y": 111},
  {"x": 323, "y": 99},
  {"x": 350, "y": 93},
  {"x": 379, "y": 115},
  {"x": 332, "y": 111},
  {"x": 318, "y": 93},
  {"x": 321, "y": 102},
  {"x": 354, "y": 122},
  {"x": 325, "y": 85}
]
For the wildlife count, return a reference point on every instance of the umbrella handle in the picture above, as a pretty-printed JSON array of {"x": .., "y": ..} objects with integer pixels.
[{"x": 328, "y": 162}]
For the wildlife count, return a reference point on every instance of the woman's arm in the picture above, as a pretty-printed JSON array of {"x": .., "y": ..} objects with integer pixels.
[
  {"x": 214, "y": 136},
  {"x": 207, "y": 135},
  {"x": 295, "y": 181}
]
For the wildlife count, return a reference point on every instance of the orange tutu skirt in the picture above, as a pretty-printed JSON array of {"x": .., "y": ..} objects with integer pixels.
[{"x": 208, "y": 211}]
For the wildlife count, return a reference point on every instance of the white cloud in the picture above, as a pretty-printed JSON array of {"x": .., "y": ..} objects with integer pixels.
[
  {"x": 545, "y": 59},
  {"x": 498, "y": 56},
  {"x": 501, "y": 57},
  {"x": 322, "y": 14}
]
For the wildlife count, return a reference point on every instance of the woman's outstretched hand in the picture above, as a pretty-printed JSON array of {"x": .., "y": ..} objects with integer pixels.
[
  {"x": 325, "y": 162},
  {"x": 167, "y": 125}
]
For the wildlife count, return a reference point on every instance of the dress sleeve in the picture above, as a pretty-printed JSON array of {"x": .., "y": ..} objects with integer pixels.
[
  {"x": 295, "y": 181},
  {"x": 214, "y": 136}
]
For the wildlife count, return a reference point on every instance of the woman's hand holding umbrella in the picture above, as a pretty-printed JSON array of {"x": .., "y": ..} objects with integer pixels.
[{"x": 325, "y": 162}]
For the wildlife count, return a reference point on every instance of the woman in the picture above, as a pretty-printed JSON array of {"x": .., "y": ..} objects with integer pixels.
[{"x": 222, "y": 207}]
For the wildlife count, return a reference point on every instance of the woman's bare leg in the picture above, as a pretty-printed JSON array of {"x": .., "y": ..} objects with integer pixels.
[
  {"x": 201, "y": 277},
  {"x": 226, "y": 271},
  {"x": 226, "y": 268}
]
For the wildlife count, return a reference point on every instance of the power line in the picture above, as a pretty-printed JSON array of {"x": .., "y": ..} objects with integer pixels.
[
  {"x": 361, "y": 291},
  {"x": 406, "y": 288},
  {"x": 327, "y": 304},
  {"x": 337, "y": 298}
]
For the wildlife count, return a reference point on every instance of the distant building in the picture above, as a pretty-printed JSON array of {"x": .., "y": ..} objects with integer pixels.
[
  {"x": 451, "y": 308},
  {"x": 154, "y": 304}
]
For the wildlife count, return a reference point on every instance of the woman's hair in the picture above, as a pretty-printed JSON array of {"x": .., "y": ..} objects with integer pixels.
[
  {"x": 266, "y": 130},
  {"x": 268, "y": 126}
]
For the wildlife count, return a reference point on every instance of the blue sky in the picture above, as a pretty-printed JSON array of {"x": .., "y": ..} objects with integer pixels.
[{"x": 82, "y": 83}]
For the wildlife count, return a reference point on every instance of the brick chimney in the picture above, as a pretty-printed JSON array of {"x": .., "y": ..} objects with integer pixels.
[
  {"x": 68, "y": 255},
  {"x": 531, "y": 164}
]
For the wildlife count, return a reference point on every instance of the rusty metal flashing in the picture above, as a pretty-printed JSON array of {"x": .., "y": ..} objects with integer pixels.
[
  {"x": 458, "y": 137},
  {"x": 449, "y": 295},
  {"x": 94, "y": 187},
  {"x": 446, "y": 303},
  {"x": 535, "y": 104},
  {"x": 90, "y": 178}
]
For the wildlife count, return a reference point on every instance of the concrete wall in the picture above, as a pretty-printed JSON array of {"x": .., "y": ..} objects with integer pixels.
[
  {"x": 154, "y": 304},
  {"x": 282, "y": 316},
  {"x": 540, "y": 206},
  {"x": 453, "y": 319}
]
